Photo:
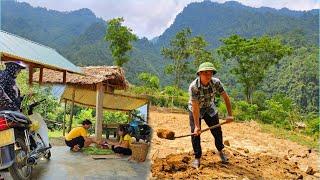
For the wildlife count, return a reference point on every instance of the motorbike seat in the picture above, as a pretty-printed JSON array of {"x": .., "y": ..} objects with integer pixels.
[{"x": 18, "y": 116}]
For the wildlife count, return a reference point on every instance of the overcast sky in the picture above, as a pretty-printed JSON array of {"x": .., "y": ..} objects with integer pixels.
[{"x": 149, "y": 18}]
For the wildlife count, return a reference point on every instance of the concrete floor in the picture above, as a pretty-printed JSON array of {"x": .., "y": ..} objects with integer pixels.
[{"x": 77, "y": 166}]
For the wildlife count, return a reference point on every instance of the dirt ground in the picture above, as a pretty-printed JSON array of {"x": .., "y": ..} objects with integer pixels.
[{"x": 252, "y": 153}]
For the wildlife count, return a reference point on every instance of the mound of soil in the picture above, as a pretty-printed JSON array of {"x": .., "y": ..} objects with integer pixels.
[
  {"x": 165, "y": 134},
  {"x": 256, "y": 166}
]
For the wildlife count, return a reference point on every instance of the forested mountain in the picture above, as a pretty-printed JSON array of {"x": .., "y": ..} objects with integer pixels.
[
  {"x": 79, "y": 36},
  {"x": 215, "y": 21},
  {"x": 53, "y": 28}
]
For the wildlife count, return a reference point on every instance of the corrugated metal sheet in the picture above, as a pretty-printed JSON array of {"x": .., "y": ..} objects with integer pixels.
[
  {"x": 111, "y": 101},
  {"x": 29, "y": 51}
]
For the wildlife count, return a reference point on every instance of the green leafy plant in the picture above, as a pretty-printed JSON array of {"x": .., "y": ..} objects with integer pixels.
[
  {"x": 96, "y": 151},
  {"x": 115, "y": 117}
]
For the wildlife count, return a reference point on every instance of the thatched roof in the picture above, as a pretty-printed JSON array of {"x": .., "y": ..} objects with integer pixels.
[{"x": 111, "y": 76}]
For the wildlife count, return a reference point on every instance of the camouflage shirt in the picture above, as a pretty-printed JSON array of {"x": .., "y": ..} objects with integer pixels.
[{"x": 205, "y": 95}]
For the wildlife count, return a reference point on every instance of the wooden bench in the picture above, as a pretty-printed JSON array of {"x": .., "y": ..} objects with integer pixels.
[{"x": 110, "y": 128}]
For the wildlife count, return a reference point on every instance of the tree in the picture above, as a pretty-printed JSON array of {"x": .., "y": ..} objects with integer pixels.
[
  {"x": 253, "y": 57},
  {"x": 198, "y": 50},
  {"x": 149, "y": 80},
  {"x": 179, "y": 52},
  {"x": 119, "y": 37}
]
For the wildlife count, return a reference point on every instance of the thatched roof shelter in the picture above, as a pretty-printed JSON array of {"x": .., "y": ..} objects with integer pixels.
[
  {"x": 111, "y": 76},
  {"x": 94, "y": 89}
]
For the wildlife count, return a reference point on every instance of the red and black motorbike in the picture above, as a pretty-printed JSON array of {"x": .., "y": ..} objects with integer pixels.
[{"x": 23, "y": 141}]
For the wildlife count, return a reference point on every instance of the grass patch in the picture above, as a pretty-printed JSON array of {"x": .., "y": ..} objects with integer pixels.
[
  {"x": 290, "y": 135},
  {"x": 55, "y": 134}
]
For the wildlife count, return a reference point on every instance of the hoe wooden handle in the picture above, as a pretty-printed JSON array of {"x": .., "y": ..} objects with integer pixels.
[{"x": 206, "y": 129}]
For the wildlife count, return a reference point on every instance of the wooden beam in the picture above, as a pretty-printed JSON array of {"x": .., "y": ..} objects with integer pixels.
[
  {"x": 64, "y": 77},
  {"x": 91, "y": 106},
  {"x": 99, "y": 111},
  {"x": 109, "y": 89},
  {"x": 41, "y": 75},
  {"x": 72, "y": 105},
  {"x": 64, "y": 118}
]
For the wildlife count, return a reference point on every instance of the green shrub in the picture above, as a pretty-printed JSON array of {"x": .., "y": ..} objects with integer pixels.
[
  {"x": 259, "y": 98},
  {"x": 281, "y": 111},
  {"x": 313, "y": 127},
  {"x": 244, "y": 111},
  {"x": 83, "y": 115},
  {"x": 274, "y": 113}
]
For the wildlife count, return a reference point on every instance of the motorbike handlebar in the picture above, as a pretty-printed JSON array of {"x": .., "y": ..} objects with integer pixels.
[{"x": 33, "y": 105}]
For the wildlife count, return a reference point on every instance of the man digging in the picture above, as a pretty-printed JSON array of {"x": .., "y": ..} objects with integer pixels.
[{"x": 201, "y": 106}]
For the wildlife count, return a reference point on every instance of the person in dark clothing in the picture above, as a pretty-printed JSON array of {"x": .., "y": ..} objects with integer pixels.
[
  {"x": 202, "y": 105},
  {"x": 10, "y": 98}
]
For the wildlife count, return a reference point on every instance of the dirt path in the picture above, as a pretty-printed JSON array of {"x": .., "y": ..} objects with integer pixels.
[{"x": 268, "y": 156}]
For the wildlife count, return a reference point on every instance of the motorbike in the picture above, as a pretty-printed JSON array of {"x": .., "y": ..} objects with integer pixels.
[
  {"x": 23, "y": 141},
  {"x": 139, "y": 129}
]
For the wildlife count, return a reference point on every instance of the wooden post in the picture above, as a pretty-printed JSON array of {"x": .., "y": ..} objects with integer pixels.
[
  {"x": 30, "y": 74},
  {"x": 64, "y": 79},
  {"x": 148, "y": 112},
  {"x": 64, "y": 118},
  {"x": 41, "y": 75},
  {"x": 72, "y": 105},
  {"x": 99, "y": 111}
]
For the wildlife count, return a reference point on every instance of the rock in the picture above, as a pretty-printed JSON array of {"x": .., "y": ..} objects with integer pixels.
[
  {"x": 304, "y": 156},
  {"x": 309, "y": 151},
  {"x": 166, "y": 134},
  {"x": 300, "y": 176},
  {"x": 246, "y": 150},
  {"x": 307, "y": 169},
  {"x": 290, "y": 155},
  {"x": 300, "y": 125},
  {"x": 286, "y": 157},
  {"x": 186, "y": 159},
  {"x": 317, "y": 174},
  {"x": 226, "y": 142}
]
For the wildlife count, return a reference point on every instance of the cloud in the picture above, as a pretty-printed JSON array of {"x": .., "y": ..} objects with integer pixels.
[{"x": 150, "y": 18}]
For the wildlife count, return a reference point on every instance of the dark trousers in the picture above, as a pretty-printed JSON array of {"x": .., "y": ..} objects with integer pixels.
[
  {"x": 75, "y": 141},
  {"x": 121, "y": 150},
  {"x": 217, "y": 133}
]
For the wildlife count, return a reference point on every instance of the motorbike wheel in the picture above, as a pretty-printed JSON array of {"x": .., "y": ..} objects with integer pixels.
[{"x": 19, "y": 169}]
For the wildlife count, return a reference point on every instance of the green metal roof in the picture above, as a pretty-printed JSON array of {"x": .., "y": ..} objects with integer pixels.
[{"x": 20, "y": 48}]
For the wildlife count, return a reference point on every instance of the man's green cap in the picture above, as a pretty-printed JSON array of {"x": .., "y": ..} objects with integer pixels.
[{"x": 207, "y": 66}]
